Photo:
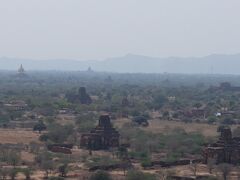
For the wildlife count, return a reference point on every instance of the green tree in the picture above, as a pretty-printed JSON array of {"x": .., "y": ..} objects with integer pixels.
[
  {"x": 101, "y": 175},
  {"x": 13, "y": 157},
  {"x": 40, "y": 126},
  {"x": 45, "y": 162},
  {"x": 212, "y": 119},
  {"x": 27, "y": 172},
  {"x": 210, "y": 165},
  {"x": 3, "y": 173},
  {"x": 63, "y": 169},
  {"x": 59, "y": 133},
  {"x": 225, "y": 169},
  {"x": 159, "y": 101},
  {"x": 138, "y": 175},
  {"x": 13, "y": 173}
]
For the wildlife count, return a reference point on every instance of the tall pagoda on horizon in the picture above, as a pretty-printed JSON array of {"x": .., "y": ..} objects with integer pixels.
[{"x": 21, "y": 70}]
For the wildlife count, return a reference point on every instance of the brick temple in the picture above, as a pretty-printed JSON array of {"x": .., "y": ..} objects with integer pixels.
[
  {"x": 225, "y": 150},
  {"x": 104, "y": 136}
]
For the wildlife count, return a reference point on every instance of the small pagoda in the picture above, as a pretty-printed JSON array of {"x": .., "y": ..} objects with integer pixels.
[{"x": 104, "y": 136}]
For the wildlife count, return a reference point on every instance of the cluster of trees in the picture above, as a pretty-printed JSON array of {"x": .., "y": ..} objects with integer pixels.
[
  {"x": 131, "y": 175},
  {"x": 44, "y": 93},
  {"x": 10, "y": 156},
  {"x": 176, "y": 144},
  {"x": 45, "y": 161},
  {"x": 57, "y": 133},
  {"x": 13, "y": 172}
]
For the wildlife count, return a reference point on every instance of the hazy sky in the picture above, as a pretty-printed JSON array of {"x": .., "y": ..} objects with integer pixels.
[{"x": 96, "y": 29}]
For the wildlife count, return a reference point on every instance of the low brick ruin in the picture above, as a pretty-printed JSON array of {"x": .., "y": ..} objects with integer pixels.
[
  {"x": 104, "y": 136},
  {"x": 225, "y": 150},
  {"x": 60, "y": 148}
]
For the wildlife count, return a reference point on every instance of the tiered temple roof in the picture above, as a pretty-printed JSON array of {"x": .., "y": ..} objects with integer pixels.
[
  {"x": 225, "y": 150},
  {"x": 104, "y": 136}
]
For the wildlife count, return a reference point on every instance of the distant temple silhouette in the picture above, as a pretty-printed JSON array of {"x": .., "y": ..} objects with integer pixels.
[
  {"x": 21, "y": 69},
  {"x": 89, "y": 69}
]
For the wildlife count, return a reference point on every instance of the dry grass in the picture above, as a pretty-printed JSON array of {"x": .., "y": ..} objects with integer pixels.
[
  {"x": 65, "y": 119},
  {"x": 28, "y": 157},
  {"x": 120, "y": 122},
  {"x": 163, "y": 126},
  {"x": 17, "y": 136}
]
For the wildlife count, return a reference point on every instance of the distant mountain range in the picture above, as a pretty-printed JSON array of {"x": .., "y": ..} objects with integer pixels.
[{"x": 213, "y": 64}]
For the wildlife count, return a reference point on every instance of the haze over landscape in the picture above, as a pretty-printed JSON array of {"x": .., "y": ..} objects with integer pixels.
[
  {"x": 130, "y": 63},
  {"x": 84, "y": 32},
  {"x": 119, "y": 90}
]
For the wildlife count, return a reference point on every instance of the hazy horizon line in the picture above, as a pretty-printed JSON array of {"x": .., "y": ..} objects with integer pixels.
[{"x": 127, "y": 54}]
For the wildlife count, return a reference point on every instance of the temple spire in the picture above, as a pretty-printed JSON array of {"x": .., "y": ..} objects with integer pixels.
[{"x": 21, "y": 69}]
